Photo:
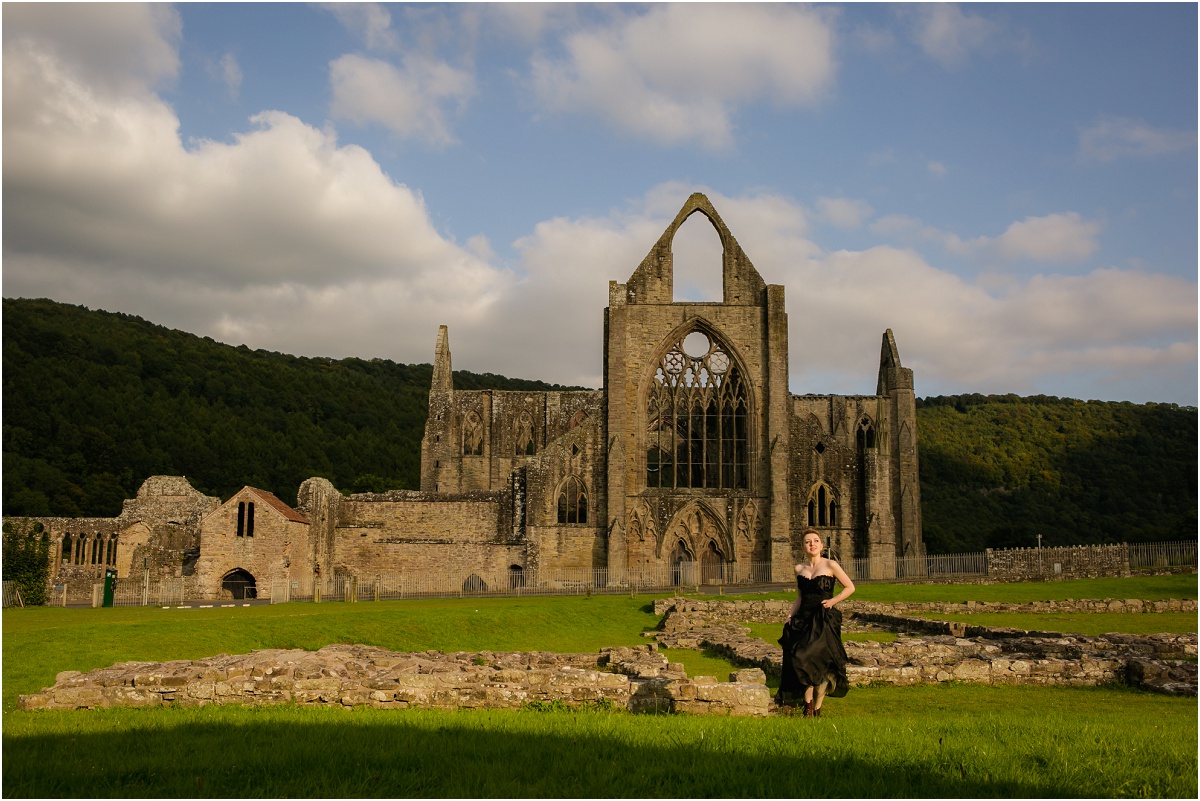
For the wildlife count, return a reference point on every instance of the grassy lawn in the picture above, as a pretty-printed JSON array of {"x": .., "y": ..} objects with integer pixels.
[
  {"x": 940, "y": 741},
  {"x": 1148, "y": 588},
  {"x": 936, "y": 741}
]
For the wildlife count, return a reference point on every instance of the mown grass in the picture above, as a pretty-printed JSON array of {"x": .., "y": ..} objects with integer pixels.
[
  {"x": 1149, "y": 588},
  {"x": 939, "y": 741}
]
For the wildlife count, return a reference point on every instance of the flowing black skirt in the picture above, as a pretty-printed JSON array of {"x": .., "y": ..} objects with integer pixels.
[{"x": 813, "y": 653}]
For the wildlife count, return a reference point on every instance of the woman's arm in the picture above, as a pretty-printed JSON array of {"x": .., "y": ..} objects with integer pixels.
[{"x": 844, "y": 580}]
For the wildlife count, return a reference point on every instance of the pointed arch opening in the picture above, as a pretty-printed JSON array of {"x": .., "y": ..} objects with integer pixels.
[
  {"x": 697, "y": 256},
  {"x": 823, "y": 507},
  {"x": 572, "y": 501},
  {"x": 697, "y": 413}
]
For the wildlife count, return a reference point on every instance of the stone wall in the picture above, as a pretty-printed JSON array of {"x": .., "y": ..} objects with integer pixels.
[
  {"x": 1043, "y": 564},
  {"x": 776, "y": 611},
  {"x": 638, "y": 679},
  {"x": 947, "y": 651}
]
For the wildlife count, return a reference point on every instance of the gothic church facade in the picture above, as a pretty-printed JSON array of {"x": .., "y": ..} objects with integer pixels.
[
  {"x": 694, "y": 458},
  {"x": 694, "y": 452}
]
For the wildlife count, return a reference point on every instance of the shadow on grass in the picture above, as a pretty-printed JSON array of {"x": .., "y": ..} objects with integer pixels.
[{"x": 475, "y": 755}]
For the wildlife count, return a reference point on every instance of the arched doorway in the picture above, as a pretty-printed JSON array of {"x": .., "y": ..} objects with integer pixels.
[
  {"x": 239, "y": 584},
  {"x": 712, "y": 565},
  {"x": 516, "y": 577},
  {"x": 682, "y": 565}
]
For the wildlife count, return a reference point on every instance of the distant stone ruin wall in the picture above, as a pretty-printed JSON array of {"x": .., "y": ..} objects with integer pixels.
[
  {"x": 1050, "y": 564},
  {"x": 685, "y": 612},
  {"x": 638, "y": 679},
  {"x": 1162, "y": 663}
]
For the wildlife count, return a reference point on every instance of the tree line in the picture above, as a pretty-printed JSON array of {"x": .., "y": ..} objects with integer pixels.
[{"x": 95, "y": 402}]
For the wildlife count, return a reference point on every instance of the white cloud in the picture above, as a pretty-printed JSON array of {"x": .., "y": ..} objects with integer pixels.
[
  {"x": 677, "y": 72},
  {"x": 282, "y": 235},
  {"x": 411, "y": 101},
  {"x": 1120, "y": 137},
  {"x": 120, "y": 47},
  {"x": 936, "y": 169},
  {"x": 843, "y": 212},
  {"x": 371, "y": 22},
  {"x": 1052, "y": 238},
  {"x": 947, "y": 35},
  {"x": 230, "y": 73}
]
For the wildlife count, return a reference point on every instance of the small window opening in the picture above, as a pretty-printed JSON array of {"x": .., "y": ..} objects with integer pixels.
[
  {"x": 572, "y": 502},
  {"x": 241, "y": 522},
  {"x": 250, "y": 519}
]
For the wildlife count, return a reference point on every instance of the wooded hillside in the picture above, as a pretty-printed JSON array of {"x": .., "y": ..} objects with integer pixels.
[{"x": 95, "y": 402}]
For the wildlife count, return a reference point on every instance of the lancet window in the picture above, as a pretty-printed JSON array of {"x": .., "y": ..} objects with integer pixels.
[
  {"x": 524, "y": 438},
  {"x": 822, "y": 507},
  {"x": 572, "y": 502},
  {"x": 697, "y": 419},
  {"x": 472, "y": 435}
]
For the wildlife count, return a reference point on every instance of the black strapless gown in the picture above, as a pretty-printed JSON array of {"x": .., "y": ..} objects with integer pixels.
[{"x": 812, "y": 643}]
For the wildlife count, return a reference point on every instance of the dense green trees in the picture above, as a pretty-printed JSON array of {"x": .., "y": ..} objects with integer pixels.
[
  {"x": 96, "y": 402},
  {"x": 27, "y": 560},
  {"x": 998, "y": 470}
]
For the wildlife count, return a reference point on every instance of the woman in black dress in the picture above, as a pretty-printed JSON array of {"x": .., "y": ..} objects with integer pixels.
[{"x": 814, "y": 661}]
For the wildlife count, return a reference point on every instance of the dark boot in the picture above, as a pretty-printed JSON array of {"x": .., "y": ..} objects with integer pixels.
[
  {"x": 816, "y": 712},
  {"x": 808, "y": 709}
]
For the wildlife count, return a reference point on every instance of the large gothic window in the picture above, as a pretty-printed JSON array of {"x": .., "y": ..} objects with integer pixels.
[
  {"x": 572, "y": 502},
  {"x": 696, "y": 417}
]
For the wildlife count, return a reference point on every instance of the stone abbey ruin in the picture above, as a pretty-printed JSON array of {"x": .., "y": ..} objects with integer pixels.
[{"x": 694, "y": 458}]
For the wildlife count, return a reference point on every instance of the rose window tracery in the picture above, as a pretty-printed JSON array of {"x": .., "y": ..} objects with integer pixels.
[{"x": 697, "y": 418}]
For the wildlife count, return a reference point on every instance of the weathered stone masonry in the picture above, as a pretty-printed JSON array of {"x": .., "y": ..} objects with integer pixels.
[{"x": 694, "y": 460}]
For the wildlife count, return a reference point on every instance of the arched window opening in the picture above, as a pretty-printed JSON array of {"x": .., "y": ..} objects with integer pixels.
[
  {"x": 697, "y": 419},
  {"x": 572, "y": 502},
  {"x": 580, "y": 417},
  {"x": 696, "y": 256},
  {"x": 241, "y": 523},
  {"x": 66, "y": 548},
  {"x": 474, "y": 584},
  {"x": 866, "y": 435},
  {"x": 472, "y": 435},
  {"x": 524, "y": 438},
  {"x": 823, "y": 508},
  {"x": 250, "y": 519}
]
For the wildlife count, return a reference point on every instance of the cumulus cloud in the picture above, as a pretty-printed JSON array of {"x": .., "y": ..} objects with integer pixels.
[
  {"x": 947, "y": 35},
  {"x": 1052, "y": 238},
  {"x": 1119, "y": 137},
  {"x": 282, "y": 235},
  {"x": 677, "y": 73},
  {"x": 410, "y": 101},
  {"x": 843, "y": 212}
]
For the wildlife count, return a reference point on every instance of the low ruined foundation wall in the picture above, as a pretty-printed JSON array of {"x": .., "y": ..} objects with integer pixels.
[
  {"x": 945, "y": 651},
  {"x": 638, "y": 679}
]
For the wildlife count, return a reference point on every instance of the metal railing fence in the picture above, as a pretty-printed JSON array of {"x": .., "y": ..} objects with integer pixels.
[
  {"x": 1149, "y": 555},
  {"x": 146, "y": 590}
]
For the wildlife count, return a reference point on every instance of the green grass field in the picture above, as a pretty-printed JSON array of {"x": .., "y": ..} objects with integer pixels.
[{"x": 936, "y": 741}]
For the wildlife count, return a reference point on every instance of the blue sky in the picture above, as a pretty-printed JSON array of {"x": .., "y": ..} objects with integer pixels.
[{"x": 1010, "y": 188}]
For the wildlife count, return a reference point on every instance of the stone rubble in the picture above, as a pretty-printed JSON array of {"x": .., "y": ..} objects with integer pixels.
[
  {"x": 1158, "y": 662},
  {"x": 636, "y": 678}
]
